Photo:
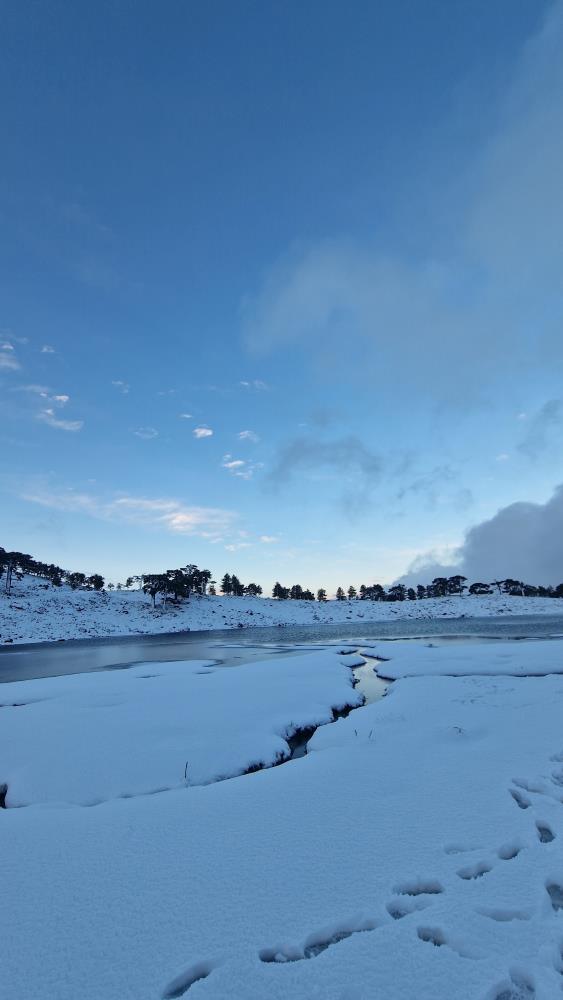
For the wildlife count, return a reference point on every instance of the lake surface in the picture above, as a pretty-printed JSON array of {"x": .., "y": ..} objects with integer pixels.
[{"x": 232, "y": 647}]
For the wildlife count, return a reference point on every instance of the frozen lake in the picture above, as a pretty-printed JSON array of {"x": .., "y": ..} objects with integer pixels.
[{"x": 231, "y": 647}]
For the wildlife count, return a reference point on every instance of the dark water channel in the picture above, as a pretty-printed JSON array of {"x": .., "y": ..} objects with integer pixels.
[{"x": 232, "y": 647}]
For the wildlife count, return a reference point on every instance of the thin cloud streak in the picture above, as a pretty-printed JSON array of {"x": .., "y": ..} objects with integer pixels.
[
  {"x": 8, "y": 359},
  {"x": 146, "y": 433},
  {"x": 48, "y": 417},
  {"x": 174, "y": 516}
]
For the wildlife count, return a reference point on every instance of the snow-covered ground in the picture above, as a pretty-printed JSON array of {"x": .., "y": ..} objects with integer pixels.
[
  {"x": 535, "y": 657},
  {"x": 156, "y": 726},
  {"x": 38, "y": 612},
  {"x": 415, "y": 853}
]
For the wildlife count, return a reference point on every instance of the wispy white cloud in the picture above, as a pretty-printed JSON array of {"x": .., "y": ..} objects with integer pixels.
[
  {"x": 269, "y": 539},
  {"x": 211, "y": 523},
  {"x": 202, "y": 432},
  {"x": 47, "y": 416},
  {"x": 47, "y": 349},
  {"x": 232, "y": 463},
  {"x": 235, "y": 546},
  {"x": 8, "y": 359},
  {"x": 186, "y": 416},
  {"x": 58, "y": 399},
  {"x": 123, "y": 387},
  {"x": 240, "y": 467},
  {"x": 255, "y": 383},
  {"x": 248, "y": 436},
  {"x": 146, "y": 433},
  {"x": 38, "y": 390}
]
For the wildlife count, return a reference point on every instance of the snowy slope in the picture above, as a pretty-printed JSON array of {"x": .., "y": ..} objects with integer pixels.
[
  {"x": 37, "y": 612},
  {"x": 415, "y": 853}
]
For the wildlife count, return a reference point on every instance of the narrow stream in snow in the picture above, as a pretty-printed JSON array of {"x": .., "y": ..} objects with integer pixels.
[{"x": 366, "y": 681}]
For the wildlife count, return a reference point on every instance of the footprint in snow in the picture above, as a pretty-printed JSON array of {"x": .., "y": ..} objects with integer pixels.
[
  {"x": 401, "y": 907},
  {"x": 545, "y": 833},
  {"x": 438, "y": 938},
  {"x": 510, "y": 850},
  {"x": 419, "y": 887},
  {"x": 517, "y": 987},
  {"x": 182, "y": 983},
  {"x": 316, "y": 943},
  {"x": 522, "y": 801},
  {"x": 504, "y": 916},
  {"x": 555, "y": 893},
  {"x": 475, "y": 871},
  {"x": 507, "y": 852}
]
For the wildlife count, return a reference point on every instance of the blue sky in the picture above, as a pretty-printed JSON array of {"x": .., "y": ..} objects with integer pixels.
[{"x": 330, "y": 234}]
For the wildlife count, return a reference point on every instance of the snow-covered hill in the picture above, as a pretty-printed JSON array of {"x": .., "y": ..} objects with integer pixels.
[{"x": 38, "y": 612}]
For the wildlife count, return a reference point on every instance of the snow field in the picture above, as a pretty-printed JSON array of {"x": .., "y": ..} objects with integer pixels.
[
  {"x": 415, "y": 853},
  {"x": 86, "y": 738},
  {"x": 413, "y": 658}
]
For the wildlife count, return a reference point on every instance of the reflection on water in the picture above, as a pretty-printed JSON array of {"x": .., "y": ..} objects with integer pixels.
[{"x": 368, "y": 683}]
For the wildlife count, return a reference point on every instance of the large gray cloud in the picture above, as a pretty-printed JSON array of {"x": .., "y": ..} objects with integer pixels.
[
  {"x": 523, "y": 541},
  {"x": 482, "y": 300}
]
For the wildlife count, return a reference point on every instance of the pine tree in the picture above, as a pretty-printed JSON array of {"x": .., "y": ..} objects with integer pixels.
[
  {"x": 352, "y": 593},
  {"x": 340, "y": 595},
  {"x": 321, "y": 594},
  {"x": 226, "y": 584}
]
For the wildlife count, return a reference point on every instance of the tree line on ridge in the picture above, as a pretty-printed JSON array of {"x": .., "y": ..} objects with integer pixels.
[{"x": 180, "y": 584}]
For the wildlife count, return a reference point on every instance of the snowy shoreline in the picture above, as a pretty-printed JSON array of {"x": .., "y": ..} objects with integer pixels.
[{"x": 38, "y": 613}]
